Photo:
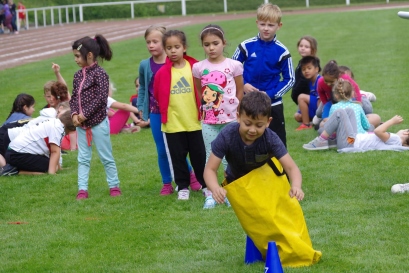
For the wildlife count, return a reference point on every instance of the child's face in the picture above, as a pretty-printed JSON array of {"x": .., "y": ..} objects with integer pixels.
[
  {"x": 250, "y": 129},
  {"x": 213, "y": 47},
  {"x": 51, "y": 100},
  {"x": 174, "y": 49},
  {"x": 404, "y": 135},
  {"x": 309, "y": 71},
  {"x": 154, "y": 43},
  {"x": 79, "y": 59},
  {"x": 329, "y": 80},
  {"x": 304, "y": 48},
  {"x": 268, "y": 29},
  {"x": 29, "y": 110}
]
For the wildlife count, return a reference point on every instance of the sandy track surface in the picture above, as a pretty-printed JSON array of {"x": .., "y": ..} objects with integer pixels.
[{"x": 45, "y": 42}]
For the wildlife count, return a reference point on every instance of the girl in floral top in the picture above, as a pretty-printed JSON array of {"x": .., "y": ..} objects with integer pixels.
[{"x": 88, "y": 106}]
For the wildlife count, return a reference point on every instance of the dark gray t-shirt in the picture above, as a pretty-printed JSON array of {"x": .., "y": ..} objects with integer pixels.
[{"x": 242, "y": 158}]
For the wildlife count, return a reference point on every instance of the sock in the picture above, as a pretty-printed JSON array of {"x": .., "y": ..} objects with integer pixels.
[{"x": 323, "y": 138}]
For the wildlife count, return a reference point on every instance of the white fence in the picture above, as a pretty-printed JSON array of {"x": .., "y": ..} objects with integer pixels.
[{"x": 80, "y": 7}]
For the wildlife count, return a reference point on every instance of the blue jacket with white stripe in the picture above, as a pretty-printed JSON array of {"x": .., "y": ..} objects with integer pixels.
[{"x": 267, "y": 66}]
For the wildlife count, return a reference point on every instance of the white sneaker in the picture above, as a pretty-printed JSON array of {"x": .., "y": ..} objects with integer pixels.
[
  {"x": 183, "y": 194},
  {"x": 400, "y": 188},
  {"x": 206, "y": 192},
  {"x": 316, "y": 144},
  {"x": 371, "y": 96},
  {"x": 209, "y": 203}
]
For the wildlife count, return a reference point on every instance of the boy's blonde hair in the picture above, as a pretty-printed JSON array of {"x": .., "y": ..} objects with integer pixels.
[
  {"x": 47, "y": 86},
  {"x": 269, "y": 12}
]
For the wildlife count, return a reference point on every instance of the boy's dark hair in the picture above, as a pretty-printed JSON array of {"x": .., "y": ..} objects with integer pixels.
[
  {"x": 315, "y": 61},
  {"x": 98, "y": 45},
  {"x": 20, "y": 101},
  {"x": 66, "y": 120},
  {"x": 255, "y": 104}
]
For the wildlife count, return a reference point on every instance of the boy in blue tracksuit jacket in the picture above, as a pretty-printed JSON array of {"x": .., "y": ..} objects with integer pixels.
[{"x": 267, "y": 64}]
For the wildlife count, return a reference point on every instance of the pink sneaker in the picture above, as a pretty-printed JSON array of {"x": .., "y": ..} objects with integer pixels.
[
  {"x": 82, "y": 194},
  {"x": 166, "y": 189},
  {"x": 194, "y": 184},
  {"x": 114, "y": 192}
]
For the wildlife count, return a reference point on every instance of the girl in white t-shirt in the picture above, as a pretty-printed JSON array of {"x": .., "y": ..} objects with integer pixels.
[{"x": 220, "y": 80}]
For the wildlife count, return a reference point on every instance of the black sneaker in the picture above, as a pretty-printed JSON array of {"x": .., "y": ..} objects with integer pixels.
[{"x": 9, "y": 170}]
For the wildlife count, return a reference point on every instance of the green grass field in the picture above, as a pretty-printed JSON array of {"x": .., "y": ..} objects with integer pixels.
[{"x": 352, "y": 217}]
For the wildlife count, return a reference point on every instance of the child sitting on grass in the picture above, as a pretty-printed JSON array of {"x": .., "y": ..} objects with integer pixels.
[
  {"x": 308, "y": 103},
  {"x": 343, "y": 123},
  {"x": 36, "y": 149}
]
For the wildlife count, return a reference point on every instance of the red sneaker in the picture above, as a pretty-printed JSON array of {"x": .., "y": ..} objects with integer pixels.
[
  {"x": 166, "y": 189},
  {"x": 304, "y": 127},
  {"x": 114, "y": 192},
  {"x": 194, "y": 184},
  {"x": 82, "y": 194}
]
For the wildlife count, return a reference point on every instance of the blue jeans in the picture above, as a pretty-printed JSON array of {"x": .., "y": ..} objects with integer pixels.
[{"x": 102, "y": 140}]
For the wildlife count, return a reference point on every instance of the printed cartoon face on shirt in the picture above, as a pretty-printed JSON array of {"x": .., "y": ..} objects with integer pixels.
[{"x": 213, "y": 83}]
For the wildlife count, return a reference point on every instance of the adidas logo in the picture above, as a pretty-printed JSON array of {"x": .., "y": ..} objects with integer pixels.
[
  {"x": 182, "y": 86},
  {"x": 253, "y": 55}
]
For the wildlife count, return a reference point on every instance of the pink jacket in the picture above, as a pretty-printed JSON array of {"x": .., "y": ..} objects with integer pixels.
[{"x": 161, "y": 87}]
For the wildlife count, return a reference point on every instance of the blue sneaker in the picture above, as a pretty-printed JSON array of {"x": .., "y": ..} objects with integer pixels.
[
  {"x": 9, "y": 170},
  {"x": 209, "y": 203}
]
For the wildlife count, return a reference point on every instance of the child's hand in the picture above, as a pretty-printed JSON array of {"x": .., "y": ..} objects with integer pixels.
[
  {"x": 219, "y": 194},
  {"x": 81, "y": 118},
  {"x": 297, "y": 193},
  {"x": 75, "y": 121},
  {"x": 56, "y": 68},
  {"x": 397, "y": 119},
  {"x": 249, "y": 88}
]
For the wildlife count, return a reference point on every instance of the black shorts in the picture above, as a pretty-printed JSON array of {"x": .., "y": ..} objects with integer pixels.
[{"x": 27, "y": 162}]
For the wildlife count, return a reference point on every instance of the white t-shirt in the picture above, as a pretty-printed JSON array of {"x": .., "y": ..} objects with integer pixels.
[
  {"x": 36, "y": 139},
  {"x": 110, "y": 102},
  {"x": 372, "y": 142},
  {"x": 45, "y": 114}
]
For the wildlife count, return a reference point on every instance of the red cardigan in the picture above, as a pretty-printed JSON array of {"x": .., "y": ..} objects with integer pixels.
[{"x": 162, "y": 86}]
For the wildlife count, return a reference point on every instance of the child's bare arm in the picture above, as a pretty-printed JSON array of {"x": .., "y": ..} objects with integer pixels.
[
  {"x": 124, "y": 106},
  {"x": 57, "y": 73},
  {"x": 210, "y": 177},
  {"x": 295, "y": 176},
  {"x": 239, "y": 87},
  {"x": 54, "y": 158},
  {"x": 380, "y": 131}
]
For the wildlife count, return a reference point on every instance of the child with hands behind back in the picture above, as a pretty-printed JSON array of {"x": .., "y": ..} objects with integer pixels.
[
  {"x": 89, "y": 115},
  {"x": 247, "y": 145}
]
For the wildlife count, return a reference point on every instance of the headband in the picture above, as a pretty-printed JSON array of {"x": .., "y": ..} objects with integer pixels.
[{"x": 209, "y": 28}]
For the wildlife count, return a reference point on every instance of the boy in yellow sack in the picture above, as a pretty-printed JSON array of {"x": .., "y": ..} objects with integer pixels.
[{"x": 247, "y": 146}]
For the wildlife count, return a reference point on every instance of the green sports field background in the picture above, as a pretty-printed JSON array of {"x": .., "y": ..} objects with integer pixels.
[{"x": 352, "y": 217}]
